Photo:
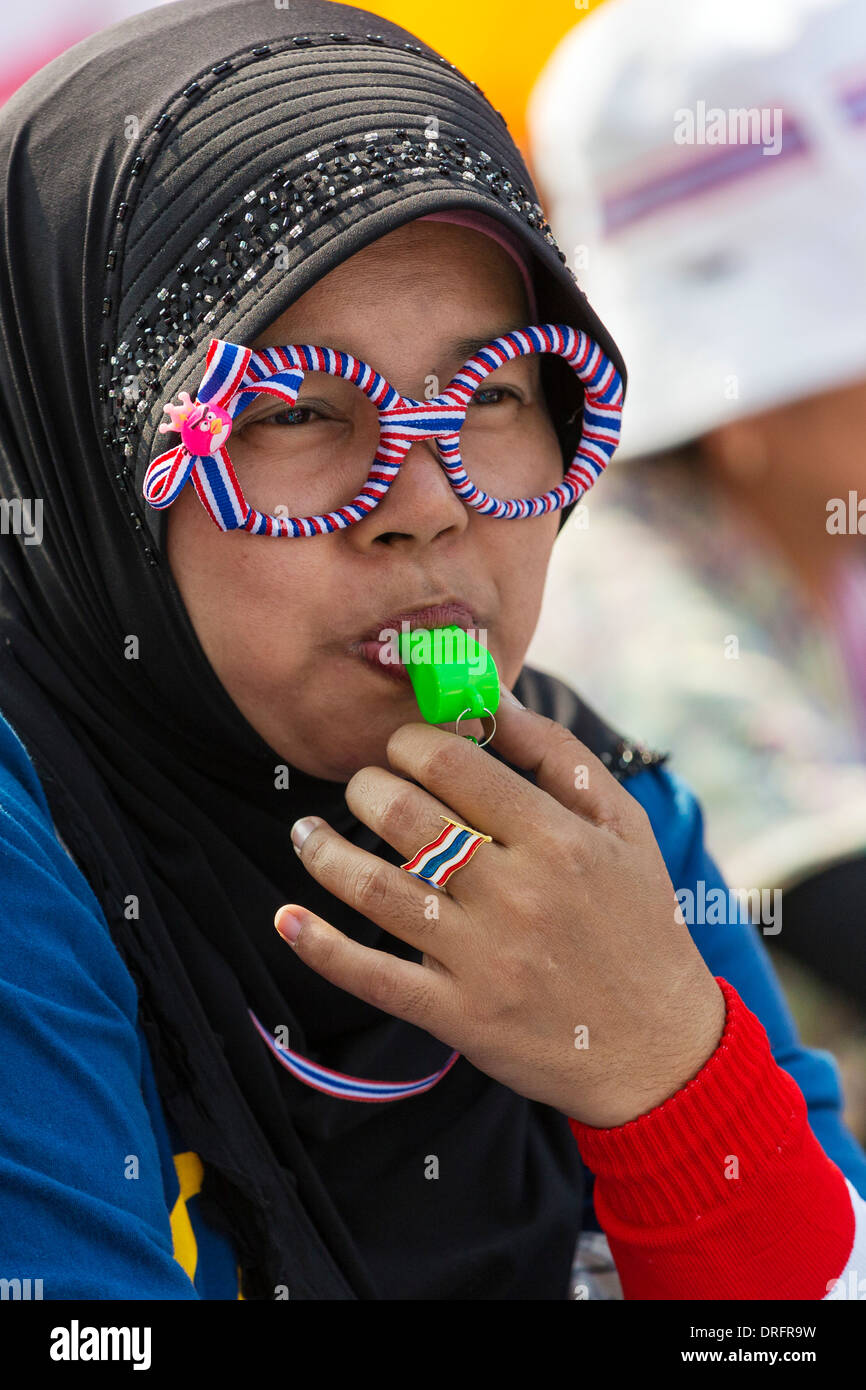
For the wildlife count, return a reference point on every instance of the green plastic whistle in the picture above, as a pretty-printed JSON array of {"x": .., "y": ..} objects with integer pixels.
[{"x": 452, "y": 674}]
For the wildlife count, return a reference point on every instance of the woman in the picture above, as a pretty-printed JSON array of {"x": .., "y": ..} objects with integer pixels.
[
  {"x": 737, "y": 552},
  {"x": 190, "y": 679}
]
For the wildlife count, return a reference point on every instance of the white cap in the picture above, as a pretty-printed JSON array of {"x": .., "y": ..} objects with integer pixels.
[{"x": 704, "y": 165}]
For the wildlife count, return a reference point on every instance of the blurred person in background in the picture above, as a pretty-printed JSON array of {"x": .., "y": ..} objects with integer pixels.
[
  {"x": 31, "y": 35},
  {"x": 706, "y": 166}
]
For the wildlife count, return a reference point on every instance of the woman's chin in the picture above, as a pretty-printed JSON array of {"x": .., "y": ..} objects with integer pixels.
[{"x": 338, "y": 759}]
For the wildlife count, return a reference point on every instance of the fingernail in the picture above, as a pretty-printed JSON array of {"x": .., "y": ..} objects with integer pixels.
[
  {"x": 288, "y": 922},
  {"x": 301, "y": 829},
  {"x": 510, "y": 697}
]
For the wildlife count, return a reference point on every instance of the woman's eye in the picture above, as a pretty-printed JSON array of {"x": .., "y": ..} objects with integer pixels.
[
  {"x": 292, "y": 415},
  {"x": 492, "y": 395}
]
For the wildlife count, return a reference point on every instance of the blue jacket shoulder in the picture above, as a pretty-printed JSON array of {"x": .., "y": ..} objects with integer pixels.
[{"x": 82, "y": 1200}]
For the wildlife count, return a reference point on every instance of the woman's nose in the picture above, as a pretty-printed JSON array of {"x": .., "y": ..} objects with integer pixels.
[
  {"x": 420, "y": 501},
  {"x": 422, "y": 468}
]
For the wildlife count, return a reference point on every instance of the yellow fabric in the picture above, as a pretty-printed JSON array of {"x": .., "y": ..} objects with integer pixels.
[
  {"x": 502, "y": 47},
  {"x": 190, "y": 1172}
]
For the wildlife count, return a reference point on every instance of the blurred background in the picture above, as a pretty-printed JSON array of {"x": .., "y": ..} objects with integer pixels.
[
  {"x": 493, "y": 43},
  {"x": 704, "y": 168}
]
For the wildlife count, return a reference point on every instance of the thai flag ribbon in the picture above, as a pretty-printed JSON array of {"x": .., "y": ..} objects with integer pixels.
[
  {"x": 337, "y": 1083},
  {"x": 213, "y": 476}
]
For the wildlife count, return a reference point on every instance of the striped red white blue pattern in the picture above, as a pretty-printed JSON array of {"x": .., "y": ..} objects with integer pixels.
[
  {"x": 234, "y": 376},
  {"x": 212, "y": 474},
  {"x": 337, "y": 1083},
  {"x": 442, "y": 857}
]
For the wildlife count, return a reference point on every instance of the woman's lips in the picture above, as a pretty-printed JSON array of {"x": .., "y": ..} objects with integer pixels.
[
  {"x": 440, "y": 615},
  {"x": 369, "y": 652}
]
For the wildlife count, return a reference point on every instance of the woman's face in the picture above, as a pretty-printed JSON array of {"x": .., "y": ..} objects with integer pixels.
[{"x": 280, "y": 619}]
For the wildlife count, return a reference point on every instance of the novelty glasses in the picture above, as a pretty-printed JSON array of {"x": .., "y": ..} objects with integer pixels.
[{"x": 305, "y": 423}]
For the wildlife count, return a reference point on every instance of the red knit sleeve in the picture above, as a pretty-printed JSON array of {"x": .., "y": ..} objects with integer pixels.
[{"x": 723, "y": 1191}]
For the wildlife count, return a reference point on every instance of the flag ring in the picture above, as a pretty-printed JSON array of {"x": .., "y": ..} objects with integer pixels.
[{"x": 436, "y": 861}]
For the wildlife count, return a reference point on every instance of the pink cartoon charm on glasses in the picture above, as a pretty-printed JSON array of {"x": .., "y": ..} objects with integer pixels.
[{"x": 203, "y": 428}]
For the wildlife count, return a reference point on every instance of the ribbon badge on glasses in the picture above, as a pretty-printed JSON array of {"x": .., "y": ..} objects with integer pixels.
[{"x": 236, "y": 377}]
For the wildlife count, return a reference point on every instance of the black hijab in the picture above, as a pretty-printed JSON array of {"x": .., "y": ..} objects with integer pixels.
[{"x": 154, "y": 178}]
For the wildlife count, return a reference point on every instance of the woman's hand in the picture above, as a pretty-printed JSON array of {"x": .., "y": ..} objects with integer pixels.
[{"x": 556, "y": 960}]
